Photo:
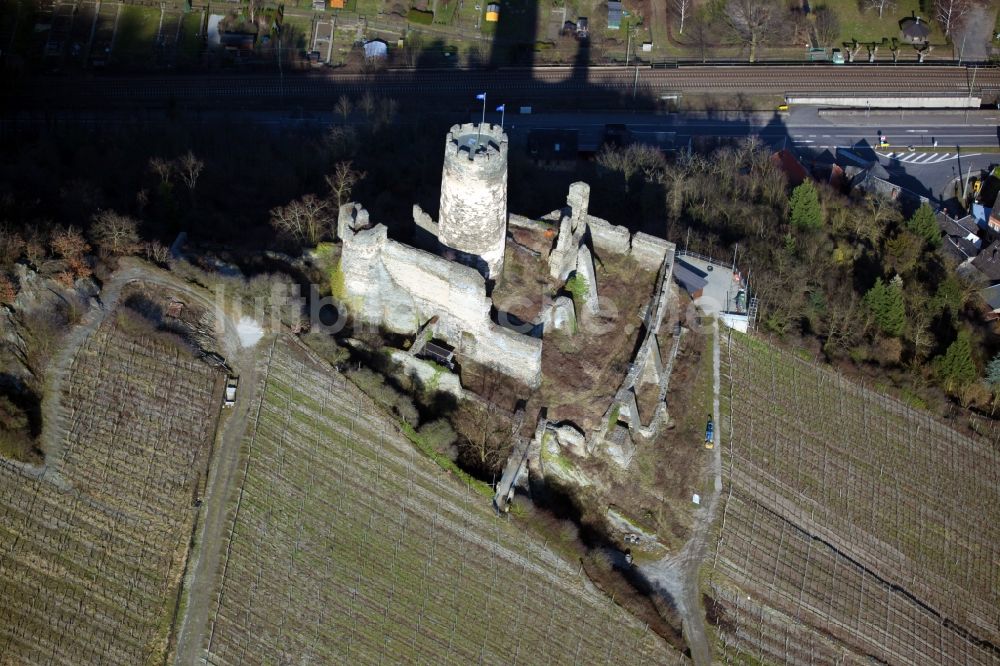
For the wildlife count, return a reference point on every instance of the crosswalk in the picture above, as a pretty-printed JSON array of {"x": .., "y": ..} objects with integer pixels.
[{"x": 906, "y": 157}]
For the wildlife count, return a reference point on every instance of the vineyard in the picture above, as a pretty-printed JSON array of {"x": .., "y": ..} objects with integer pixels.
[
  {"x": 347, "y": 546},
  {"x": 92, "y": 548},
  {"x": 852, "y": 525}
]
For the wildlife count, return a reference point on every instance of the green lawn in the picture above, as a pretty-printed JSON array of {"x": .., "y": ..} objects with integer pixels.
[
  {"x": 868, "y": 27},
  {"x": 137, "y": 30}
]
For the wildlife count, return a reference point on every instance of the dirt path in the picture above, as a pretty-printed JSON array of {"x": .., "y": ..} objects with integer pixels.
[
  {"x": 210, "y": 529},
  {"x": 677, "y": 575}
]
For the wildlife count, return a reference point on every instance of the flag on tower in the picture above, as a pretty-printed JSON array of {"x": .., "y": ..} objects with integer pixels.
[
  {"x": 501, "y": 108},
  {"x": 481, "y": 96}
]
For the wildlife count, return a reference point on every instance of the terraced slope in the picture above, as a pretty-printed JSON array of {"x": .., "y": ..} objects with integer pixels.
[
  {"x": 92, "y": 549},
  {"x": 853, "y": 525},
  {"x": 348, "y": 547}
]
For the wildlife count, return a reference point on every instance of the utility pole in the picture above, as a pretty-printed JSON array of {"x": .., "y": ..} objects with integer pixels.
[
  {"x": 965, "y": 189},
  {"x": 973, "y": 84},
  {"x": 628, "y": 47}
]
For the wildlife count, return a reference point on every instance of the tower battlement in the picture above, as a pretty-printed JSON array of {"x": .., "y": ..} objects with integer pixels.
[{"x": 473, "y": 214}]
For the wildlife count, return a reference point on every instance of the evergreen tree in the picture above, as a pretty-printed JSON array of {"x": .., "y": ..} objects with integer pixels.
[
  {"x": 886, "y": 303},
  {"x": 924, "y": 224},
  {"x": 957, "y": 368},
  {"x": 993, "y": 373},
  {"x": 806, "y": 211}
]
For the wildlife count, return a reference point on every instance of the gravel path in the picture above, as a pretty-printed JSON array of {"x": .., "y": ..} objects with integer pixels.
[{"x": 677, "y": 575}]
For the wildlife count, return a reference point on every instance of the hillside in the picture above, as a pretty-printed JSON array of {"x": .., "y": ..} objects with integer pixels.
[
  {"x": 92, "y": 545},
  {"x": 347, "y": 546},
  {"x": 852, "y": 526}
]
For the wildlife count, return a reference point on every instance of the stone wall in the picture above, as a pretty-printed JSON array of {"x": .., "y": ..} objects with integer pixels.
[
  {"x": 650, "y": 251},
  {"x": 473, "y": 215},
  {"x": 400, "y": 288}
]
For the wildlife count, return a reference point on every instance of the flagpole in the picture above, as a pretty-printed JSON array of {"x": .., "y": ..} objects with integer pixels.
[
  {"x": 503, "y": 111},
  {"x": 479, "y": 139}
]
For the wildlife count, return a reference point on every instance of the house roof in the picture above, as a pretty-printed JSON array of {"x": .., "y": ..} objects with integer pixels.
[
  {"x": 786, "y": 160},
  {"x": 988, "y": 262},
  {"x": 992, "y": 296},
  {"x": 960, "y": 227}
]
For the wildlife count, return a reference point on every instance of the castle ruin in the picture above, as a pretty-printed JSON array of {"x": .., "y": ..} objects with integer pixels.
[{"x": 445, "y": 293}]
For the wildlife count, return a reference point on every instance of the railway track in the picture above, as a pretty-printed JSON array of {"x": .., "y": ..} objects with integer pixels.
[{"x": 513, "y": 84}]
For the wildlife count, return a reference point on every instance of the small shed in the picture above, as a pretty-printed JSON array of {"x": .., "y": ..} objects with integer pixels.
[
  {"x": 582, "y": 26},
  {"x": 336, "y": 4},
  {"x": 914, "y": 30},
  {"x": 492, "y": 12},
  {"x": 691, "y": 278},
  {"x": 439, "y": 352},
  {"x": 614, "y": 15},
  {"x": 376, "y": 49}
]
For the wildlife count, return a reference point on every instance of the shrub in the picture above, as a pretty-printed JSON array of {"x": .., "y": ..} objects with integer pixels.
[{"x": 441, "y": 437}]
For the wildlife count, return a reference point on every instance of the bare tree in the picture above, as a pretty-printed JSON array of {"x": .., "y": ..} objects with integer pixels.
[
  {"x": 631, "y": 160},
  {"x": 307, "y": 220},
  {"x": 189, "y": 168},
  {"x": 115, "y": 234},
  {"x": 156, "y": 252},
  {"x": 700, "y": 34},
  {"x": 367, "y": 104},
  {"x": 949, "y": 13},
  {"x": 881, "y": 5},
  {"x": 827, "y": 26},
  {"x": 162, "y": 168},
  {"x": 343, "y": 106},
  {"x": 69, "y": 243},
  {"x": 750, "y": 20},
  {"x": 681, "y": 9},
  {"x": 342, "y": 182}
]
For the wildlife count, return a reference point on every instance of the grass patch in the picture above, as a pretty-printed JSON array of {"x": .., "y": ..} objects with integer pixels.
[
  {"x": 868, "y": 27},
  {"x": 444, "y": 462},
  {"x": 446, "y": 12},
  {"x": 137, "y": 30},
  {"x": 420, "y": 17}
]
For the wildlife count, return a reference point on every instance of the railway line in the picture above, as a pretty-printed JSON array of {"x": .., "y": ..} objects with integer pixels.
[{"x": 511, "y": 84}]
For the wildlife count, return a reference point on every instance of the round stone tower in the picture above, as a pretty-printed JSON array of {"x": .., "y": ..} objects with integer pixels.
[{"x": 473, "y": 215}]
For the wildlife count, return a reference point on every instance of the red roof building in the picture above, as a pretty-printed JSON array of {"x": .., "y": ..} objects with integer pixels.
[{"x": 786, "y": 160}]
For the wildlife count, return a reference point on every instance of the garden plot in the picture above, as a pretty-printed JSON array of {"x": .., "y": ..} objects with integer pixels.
[
  {"x": 168, "y": 37},
  {"x": 854, "y": 517},
  {"x": 104, "y": 33},
  {"x": 91, "y": 551},
  {"x": 83, "y": 25},
  {"x": 347, "y": 546},
  {"x": 59, "y": 33}
]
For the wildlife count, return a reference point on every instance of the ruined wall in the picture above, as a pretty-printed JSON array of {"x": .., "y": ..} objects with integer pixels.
[
  {"x": 473, "y": 215},
  {"x": 400, "y": 288}
]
